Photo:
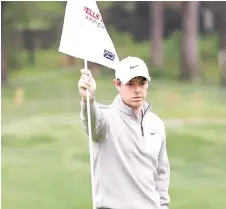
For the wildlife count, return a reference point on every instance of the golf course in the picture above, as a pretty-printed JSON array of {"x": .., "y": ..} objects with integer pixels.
[{"x": 45, "y": 153}]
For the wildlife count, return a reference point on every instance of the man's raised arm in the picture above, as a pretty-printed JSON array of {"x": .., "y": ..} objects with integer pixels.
[{"x": 99, "y": 123}]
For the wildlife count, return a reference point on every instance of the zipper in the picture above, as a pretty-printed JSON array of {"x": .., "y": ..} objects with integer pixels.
[
  {"x": 142, "y": 130},
  {"x": 141, "y": 125}
]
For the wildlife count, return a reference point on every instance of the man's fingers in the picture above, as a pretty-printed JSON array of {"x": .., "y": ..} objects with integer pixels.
[
  {"x": 85, "y": 77},
  {"x": 84, "y": 84},
  {"x": 82, "y": 71},
  {"x": 89, "y": 73},
  {"x": 85, "y": 71}
]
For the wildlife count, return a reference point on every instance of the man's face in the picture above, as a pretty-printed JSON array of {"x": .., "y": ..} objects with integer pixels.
[{"x": 134, "y": 92}]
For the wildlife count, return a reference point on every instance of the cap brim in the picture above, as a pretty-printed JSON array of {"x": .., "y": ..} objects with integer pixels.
[{"x": 125, "y": 81}]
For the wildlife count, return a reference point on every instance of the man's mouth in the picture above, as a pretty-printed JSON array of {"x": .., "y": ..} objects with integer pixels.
[{"x": 137, "y": 98}]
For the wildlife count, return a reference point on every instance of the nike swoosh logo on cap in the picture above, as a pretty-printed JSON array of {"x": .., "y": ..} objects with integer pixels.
[{"x": 131, "y": 67}]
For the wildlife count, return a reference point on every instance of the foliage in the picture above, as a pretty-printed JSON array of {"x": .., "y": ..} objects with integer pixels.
[
  {"x": 42, "y": 15},
  {"x": 120, "y": 39},
  {"x": 209, "y": 46},
  {"x": 172, "y": 46},
  {"x": 32, "y": 15}
]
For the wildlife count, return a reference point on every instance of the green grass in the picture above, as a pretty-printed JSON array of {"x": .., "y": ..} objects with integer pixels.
[
  {"x": 45, "y": 154},
  {"x": 198, "y": 168}
]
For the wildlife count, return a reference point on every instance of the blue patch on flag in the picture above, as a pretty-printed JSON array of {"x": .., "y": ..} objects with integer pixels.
[{"x": 109, "y": 55}]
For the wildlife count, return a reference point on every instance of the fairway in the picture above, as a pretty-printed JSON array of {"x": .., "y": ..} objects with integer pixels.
[{"x": 45, "y": 154}]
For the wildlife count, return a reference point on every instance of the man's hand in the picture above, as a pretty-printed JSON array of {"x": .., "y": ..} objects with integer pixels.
[{"x": 87, "y": 82}]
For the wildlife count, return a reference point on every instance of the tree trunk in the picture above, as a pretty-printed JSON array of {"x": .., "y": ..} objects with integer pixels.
[
  {"x": 222, "y": 53},
  {"x": 30, "y": 46},
  {"x": 156, "y": 32},
  {"x": 3, "y": 60},
  {"x": 189, "y": 46},
  {"x": 3, "y": 70}
]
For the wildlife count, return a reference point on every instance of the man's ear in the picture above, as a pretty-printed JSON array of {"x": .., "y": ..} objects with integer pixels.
[{"x": 116, "y": 83}]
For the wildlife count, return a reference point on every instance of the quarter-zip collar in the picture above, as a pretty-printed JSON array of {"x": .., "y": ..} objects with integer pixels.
[{"x": 118, "y": 102}]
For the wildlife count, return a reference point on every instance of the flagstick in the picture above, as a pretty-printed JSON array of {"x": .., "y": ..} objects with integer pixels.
[{"x": 90, "y": 140}]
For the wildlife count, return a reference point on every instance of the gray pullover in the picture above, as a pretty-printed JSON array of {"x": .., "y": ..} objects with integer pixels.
[{"x": 131, "y": 167}]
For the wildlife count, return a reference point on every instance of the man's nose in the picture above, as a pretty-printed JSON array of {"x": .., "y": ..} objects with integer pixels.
[{"x": 137, "y": 88}]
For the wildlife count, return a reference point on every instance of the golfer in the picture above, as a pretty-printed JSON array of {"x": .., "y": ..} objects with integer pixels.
[{"x": 131, "y": 167}]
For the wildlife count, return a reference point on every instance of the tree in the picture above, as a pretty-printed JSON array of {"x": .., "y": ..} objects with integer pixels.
[
  {"x": 26, "y": 17},
  {"x": 218, "y": 9},
  {"x": 222, "y": 50},
  {"x": 3, "y": 70},
  {"x": 189, "y": 47},
  {"x": 3, "y": 64},
  {"x": 156, "y": 32}
]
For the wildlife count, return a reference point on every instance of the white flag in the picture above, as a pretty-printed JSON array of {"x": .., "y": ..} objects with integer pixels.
[{"x": 84, "y": 34}]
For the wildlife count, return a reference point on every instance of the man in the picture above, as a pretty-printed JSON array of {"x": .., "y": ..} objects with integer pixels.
[{"x": 131, "y": 167}]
